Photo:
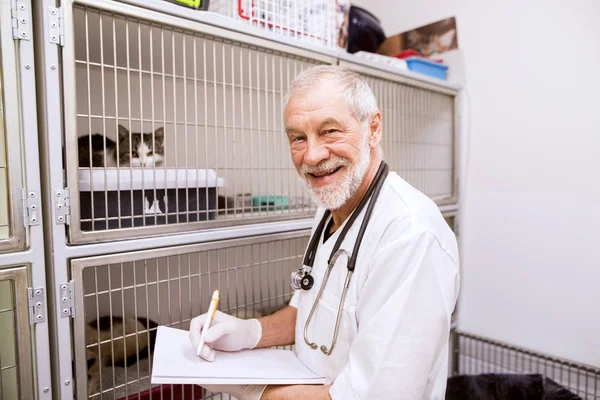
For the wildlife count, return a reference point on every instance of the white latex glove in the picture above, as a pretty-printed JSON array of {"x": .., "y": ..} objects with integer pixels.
[
  {"x": 226, "y": 333},
  {"x": 240, "y": 392}
]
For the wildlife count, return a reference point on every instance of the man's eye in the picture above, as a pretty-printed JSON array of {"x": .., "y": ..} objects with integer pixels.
[
  {"x": 297, "y": 139},
  {"x": 331, "y": 130}
]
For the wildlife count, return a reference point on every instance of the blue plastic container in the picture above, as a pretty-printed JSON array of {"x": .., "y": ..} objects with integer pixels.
[{"x": 426, "y": 67}]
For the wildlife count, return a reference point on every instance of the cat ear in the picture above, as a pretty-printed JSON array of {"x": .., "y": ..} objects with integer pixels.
[
  {"x": 123, "y": 132},
  {"x": 160, "y": 132},
  {"x": 447, "y": 38}
]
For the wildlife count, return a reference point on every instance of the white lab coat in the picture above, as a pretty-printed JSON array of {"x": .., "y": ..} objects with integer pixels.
[{"x": 393, "y": 337}]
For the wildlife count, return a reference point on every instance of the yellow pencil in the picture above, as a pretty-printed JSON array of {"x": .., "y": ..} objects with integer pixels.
[{"x": 212, "y": 308}]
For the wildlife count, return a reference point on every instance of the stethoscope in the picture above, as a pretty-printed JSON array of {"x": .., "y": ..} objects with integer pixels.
[{"x": 301, "y": 278}]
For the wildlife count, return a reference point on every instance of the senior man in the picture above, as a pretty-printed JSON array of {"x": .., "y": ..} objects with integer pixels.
[{"x": 395, "y": 321}]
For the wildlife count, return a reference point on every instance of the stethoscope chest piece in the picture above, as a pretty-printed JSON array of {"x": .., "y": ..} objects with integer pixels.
[
  {"x": 300, "y": 279},
  {"x": 307, "y": 282}
]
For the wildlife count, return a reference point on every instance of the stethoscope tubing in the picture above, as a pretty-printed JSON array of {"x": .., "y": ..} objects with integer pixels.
[{"x": 371, "y": 197}]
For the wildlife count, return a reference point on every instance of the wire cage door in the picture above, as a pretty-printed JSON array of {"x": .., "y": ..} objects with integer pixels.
[
  {"x": 213, "y": 152},
  {"x": 121, "y": 299},
  {"x": 12, "y": 223},
  {"x": 309, "y": 21},
  {"x": 16, "y": 363},
  {"x": 420, "y": 132},
  {"x": 478, "y": 355}
]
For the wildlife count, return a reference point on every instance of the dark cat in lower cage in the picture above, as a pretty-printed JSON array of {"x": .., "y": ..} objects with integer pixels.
[{"x": 132, "y": 341}]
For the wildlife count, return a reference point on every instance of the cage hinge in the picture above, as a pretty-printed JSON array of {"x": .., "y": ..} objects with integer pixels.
[
  {"x": 21, "y": 20},
  {"x": 56, "y": 26},
  {"x": 31, "y": 207},
  {"x": 67, "y": 299},
  {"x": 37, "y": 305},
  {"x": 63, "y": 208}
]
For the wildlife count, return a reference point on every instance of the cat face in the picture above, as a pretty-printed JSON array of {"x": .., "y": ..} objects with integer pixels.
[
  {"x": 431, "y": 45},
  {"x": 142, "y": 151}
]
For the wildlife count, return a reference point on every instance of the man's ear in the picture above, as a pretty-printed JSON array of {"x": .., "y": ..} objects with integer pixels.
[{"x": 375, "y": 125}]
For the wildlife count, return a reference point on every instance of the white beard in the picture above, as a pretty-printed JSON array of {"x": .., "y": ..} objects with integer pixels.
[{"x": 335, "y": 195}]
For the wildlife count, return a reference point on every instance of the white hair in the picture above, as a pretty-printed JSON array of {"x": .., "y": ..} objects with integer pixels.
[{"x": 360, "y": 97}]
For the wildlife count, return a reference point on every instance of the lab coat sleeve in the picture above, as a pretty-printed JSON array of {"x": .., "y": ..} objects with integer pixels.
[
  {"x": 294, "y": 299},
  {"x": 403, "y": 313}
]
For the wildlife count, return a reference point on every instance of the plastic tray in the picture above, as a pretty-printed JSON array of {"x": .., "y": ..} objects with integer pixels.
[{"x": 426, "y": 67}]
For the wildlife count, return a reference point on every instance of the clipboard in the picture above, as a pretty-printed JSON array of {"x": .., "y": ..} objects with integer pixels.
[{"x": 175, "y": 362}]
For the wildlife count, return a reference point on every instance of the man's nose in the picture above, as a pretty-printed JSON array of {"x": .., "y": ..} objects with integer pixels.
[{"x": 315, "y": 152}]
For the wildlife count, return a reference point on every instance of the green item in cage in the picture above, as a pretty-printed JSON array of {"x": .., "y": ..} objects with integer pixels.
[
  {"x": 192, "y": 3},
  {"x": 270, "y": 202}
]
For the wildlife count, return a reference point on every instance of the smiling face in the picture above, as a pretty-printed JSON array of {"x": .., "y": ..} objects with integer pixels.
[{"x": 330, "y": 149}]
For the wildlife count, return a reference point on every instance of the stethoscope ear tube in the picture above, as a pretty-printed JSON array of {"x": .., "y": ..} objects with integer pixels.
[
  {"x": 380, "y": 179},
  {"x": 371, "y": 194},
  {"x": 302, "y": 277},
  {"x": 311, "y": 251}
]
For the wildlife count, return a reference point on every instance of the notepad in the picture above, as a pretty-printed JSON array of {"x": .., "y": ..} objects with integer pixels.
[{"x": 175, "y": 362}]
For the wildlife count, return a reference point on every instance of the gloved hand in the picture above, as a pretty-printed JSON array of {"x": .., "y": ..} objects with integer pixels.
[
  {"x": 240, "y": 392},
  {"x": 225, "y": 333}
]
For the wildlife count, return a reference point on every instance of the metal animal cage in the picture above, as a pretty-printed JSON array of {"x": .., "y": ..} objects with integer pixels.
[
  {"x": 209, "y": 100},
  {"x": 212, "y": 107},
  {"x": 12, "y": 232},
  {"x": 477, "y": 355},
  {"x": 16, "y": 368},
  {"x": 419, "y": 140},
  {"x": 169, "y": 287},
  {"x": 308, "y": 21}
]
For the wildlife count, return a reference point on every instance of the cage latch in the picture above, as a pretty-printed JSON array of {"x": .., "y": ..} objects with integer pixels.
[
  {"x": 31, "y": 207},
  {"x": 37, "y": 305},
  {"x": 63, "y": 208},
  {"x": 67, "y": 299},
  {"x": 21, "y": 21},
  {"x": 56, "y": 31}
]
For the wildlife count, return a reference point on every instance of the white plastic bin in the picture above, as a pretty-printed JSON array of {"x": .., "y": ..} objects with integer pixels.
[{"x": 156, "y": 197}]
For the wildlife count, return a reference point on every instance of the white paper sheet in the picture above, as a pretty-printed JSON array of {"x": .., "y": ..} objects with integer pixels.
[{"x": 175, "y": 362}]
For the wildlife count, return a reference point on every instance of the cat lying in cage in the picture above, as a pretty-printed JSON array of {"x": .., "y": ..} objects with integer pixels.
[
  {"x": 128, "y": 352},
  {"x": 140, "y": 153},
  {"x": 120, "y": 352}
]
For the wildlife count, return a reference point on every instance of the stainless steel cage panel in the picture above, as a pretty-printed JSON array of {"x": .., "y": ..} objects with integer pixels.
[
  {"x": 211, "y": 105},
  {"x": 12, "y": 230},
  {"x": 477, "y": 355},
  {"x": 418, "y": 136},
  {"x": 419, "y": 132},
  {"x": 451, "y": 220},
  {"x": 16, "y": 367},
  {"x": 169, "y": 287}
]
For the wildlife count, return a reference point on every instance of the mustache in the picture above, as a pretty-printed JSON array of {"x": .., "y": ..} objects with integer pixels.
[{"x": 324, "y": 166}]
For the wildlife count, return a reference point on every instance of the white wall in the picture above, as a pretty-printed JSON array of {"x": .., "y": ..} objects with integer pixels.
[{"x": 530, "y": 227}]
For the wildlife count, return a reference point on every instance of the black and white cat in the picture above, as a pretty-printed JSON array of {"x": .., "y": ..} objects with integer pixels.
[{"x": 140, "y": 153}]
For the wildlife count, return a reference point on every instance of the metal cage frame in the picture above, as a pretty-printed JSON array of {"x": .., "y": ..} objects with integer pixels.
[
  {"x": 396, "y": 78},
  {"x": 22, "y": 331},
  {"x": 473, "y": 354},
  {"x": 70, "y": 249},
  {"x": 77, "y": 235},
  {"x": 10, "y": 127},
  {"x": 22, "y": 256},
  {"x": 78, "y": 266},
  {"x": 75, "y": 232}
]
